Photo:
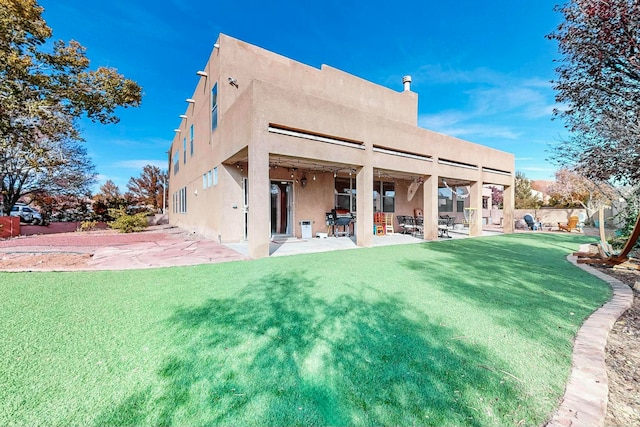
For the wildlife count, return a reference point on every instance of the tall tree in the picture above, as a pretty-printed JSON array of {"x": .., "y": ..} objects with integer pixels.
[
  {"x": 598, "y": 80},
  {"x": 497, "y": 197},
  {"x": 108, "y": 198},
  {"x": 571, "y": 189},
  {"x": 149, "y": 187},
  {"x": 523, "y": 194},
  {"x": 52, "y": 167},
  {"x": 44, "y": 89},
  {"x": 110, "y": 191}
]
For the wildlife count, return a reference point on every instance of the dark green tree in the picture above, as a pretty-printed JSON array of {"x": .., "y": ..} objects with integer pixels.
[{"x": 524, "y": 197}]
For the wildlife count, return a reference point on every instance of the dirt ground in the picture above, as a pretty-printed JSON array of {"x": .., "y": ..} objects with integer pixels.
[
  {"x": 622, "y": 356},
  {"x": 623, "y": 344}
]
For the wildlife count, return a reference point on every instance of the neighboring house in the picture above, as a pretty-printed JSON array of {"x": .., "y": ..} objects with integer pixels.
[
  {"x": 539, "y": 188},
  {"x": 267, "y": 142}
]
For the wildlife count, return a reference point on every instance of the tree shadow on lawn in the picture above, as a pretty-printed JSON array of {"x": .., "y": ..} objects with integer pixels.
[
  {"x": 522, "y": 280},
  {"x": 279, "y": 355}
]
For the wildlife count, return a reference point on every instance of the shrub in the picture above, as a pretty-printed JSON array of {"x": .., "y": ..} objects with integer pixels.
[
  {"x": 88, "y": 225},
  {"x": 130, "y": 223}
]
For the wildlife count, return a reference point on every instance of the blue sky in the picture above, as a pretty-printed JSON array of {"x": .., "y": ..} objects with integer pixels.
[{"x": 482, "y": 69}]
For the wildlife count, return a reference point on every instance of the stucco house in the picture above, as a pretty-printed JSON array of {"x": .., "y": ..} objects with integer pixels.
[{"x": 267, "y": 143}]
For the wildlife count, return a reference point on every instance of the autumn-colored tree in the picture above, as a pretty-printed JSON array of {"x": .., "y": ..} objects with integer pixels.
[
  {"x": 148, "y": 189},
  {"x": 44, "y": 89},
  {"x": 63, "y": 207},
  {"x": 598, "y": 82},
  {"x": 497, "y": 196},
  {"x": 109, "y": 197},
  {"x": 524, "y": 197},
  {"x": 571, "y": 189},
  {"x": 110, "y": 193}
]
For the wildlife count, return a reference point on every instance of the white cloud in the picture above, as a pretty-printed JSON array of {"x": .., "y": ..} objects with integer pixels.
[
  {"x": 453, "y": 123},
  {"x": 442, "y": 120},
  {"x": 484, "y": 131},
  {"x": 436, "y": 73}
]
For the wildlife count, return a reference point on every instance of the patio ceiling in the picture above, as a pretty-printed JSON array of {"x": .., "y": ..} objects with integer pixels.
[{"x": 318, "y": 166}]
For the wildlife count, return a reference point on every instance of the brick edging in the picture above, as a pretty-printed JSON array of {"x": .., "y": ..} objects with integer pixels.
[{"x": 585, "y": 398}]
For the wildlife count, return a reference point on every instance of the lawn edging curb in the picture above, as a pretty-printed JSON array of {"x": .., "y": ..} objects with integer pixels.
[{"x": 585, "y": 398}]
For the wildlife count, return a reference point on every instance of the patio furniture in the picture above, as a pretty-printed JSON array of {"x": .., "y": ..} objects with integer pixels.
[
  {"x": 570, "y": 225},
  {"x": 582, "y": 217},
  {"x": 531, "y": 223},
  {"x": 445, "y": 223},
  {"x": 418, "y": 226},
  {"x": 605, "y": 253},
  {"x": 378, "y": 223},
  {"x": 406, "y": 223},
  {"x": 388, "y": 223}
]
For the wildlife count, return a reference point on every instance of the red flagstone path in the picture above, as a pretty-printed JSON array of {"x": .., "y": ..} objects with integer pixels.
[{"x": 159, "y": 246}]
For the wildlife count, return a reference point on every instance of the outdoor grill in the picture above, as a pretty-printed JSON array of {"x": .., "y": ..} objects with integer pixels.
[{"x": 340, "y": 218}]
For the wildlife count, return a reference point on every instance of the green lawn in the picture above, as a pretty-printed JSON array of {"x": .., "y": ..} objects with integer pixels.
[{"x": 458, "y": 332}]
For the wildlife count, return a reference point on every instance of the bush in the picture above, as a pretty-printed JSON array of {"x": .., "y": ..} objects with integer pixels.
[
  {"x": 88, "y": 225},
  {"x": 130, "y": 223}
]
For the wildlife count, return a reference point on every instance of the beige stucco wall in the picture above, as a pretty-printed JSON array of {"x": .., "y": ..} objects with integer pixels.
[{"x": 274, "y": 90}]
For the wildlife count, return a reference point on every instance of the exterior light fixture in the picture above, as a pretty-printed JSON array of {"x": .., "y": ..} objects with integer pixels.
[
  {"x": 176, "y": 130},
  {"x": 190, "y": 100},
  {"x": 202, "y": 73},
  {"x": 233, "y": 82},
  {"x": 314, "y": 176},
  {"x": 303, "y": 181},
  {"x": 183, "y": 116},
  {"x": 216, "y": 46}
]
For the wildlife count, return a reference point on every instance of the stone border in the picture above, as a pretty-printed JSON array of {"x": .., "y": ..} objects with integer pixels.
[{"x": 587, "y": 392}]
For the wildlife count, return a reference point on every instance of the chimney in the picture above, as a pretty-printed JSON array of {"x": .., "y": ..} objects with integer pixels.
[{"x": 406, "y": 81}]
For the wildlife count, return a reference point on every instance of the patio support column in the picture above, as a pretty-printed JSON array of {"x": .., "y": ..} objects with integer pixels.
[
  {"x": 364, "y": 206},
  {"x": 508, "y": 206},
  {"x": 430, "y": 199},
  {"x": 475, "y": 203},
  {"x": 259, "y": 202}
]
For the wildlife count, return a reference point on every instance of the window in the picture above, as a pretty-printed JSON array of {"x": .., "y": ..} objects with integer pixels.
[
  {"x": 207, "y": 179},
  {"x": 191, "y": 140},
  {"x": 184, "y": 199},
  {"x": 460, "y": 206},
  {"x": 184, "y": 148},
  {"x": 214, "y": 107},
  {"x": 180, "y": 201},
  {"x": 384, "y": 196},
  {"x": 388, "y": 197},
  {"x": 176, "y": 161},
  {"x": 445, "y": 200},
  {"x": 345, "y": 194},
  {"x": 215, "y": 176}
]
